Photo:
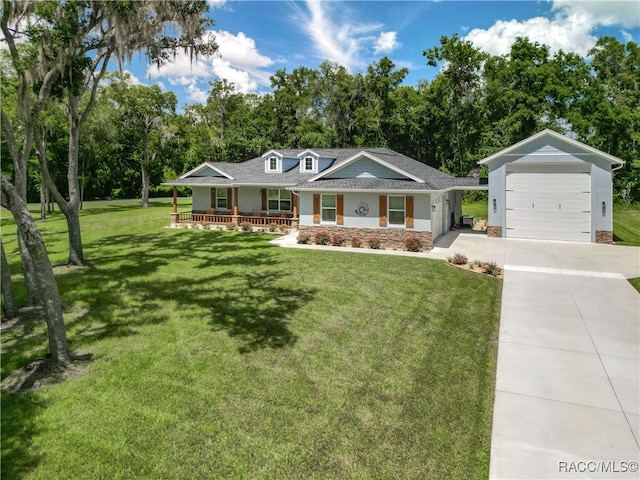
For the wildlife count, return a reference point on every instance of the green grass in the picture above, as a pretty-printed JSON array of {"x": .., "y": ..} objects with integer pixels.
[
  {"x": 635, "y": 282},
  {"x": 217, "y": 355},
  {"x": 478, "y": 209},
  {"x": 626, "y": 225}
]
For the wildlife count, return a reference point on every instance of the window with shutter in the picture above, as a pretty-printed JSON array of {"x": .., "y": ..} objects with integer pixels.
[
  {"x": 383, "y": 211},
  {"x": 316, "y": 208},
  {"x": 409, "y": 220}
]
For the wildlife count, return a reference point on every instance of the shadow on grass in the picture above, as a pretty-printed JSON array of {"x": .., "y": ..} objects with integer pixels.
[
  {"x": 234, "y": 282},
  {"x": 19, "y": 427},
  {"x": 233, "y": 278}
]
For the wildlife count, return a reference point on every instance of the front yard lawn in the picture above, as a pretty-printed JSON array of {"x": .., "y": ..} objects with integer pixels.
[
  {"x": 217, "y": 355},
  {"x": 626, "y": 225}
]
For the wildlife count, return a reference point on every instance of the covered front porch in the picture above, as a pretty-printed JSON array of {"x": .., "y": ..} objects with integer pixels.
[{"x": 258, "y": 217}]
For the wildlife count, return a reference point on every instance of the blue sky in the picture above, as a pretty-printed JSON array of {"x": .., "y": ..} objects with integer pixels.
[{"x": 256, "y": 38}]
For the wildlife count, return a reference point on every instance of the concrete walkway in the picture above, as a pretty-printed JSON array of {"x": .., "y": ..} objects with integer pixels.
[
  {"x": 567, "y": 385},
  {"x": 567, "y": 399}
]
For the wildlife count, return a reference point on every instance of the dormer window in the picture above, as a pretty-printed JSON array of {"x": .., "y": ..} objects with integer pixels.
[
  {"x": 307, "y": 164},
  {"x": 308, "y": 161},
  {"x": 273, "y": 164}
]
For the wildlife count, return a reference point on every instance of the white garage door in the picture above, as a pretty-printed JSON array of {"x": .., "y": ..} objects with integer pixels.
[{"x": 551, "y": 202}]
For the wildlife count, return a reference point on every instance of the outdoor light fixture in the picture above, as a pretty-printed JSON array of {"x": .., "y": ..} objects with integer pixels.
[
  {"x": 604, "y": 209},
  {"x": 495, "y": 206},
  {"x": 433, "y": 207}
]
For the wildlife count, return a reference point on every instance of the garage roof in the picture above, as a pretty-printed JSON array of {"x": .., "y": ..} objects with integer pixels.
[{"x": 550, "y": 133}]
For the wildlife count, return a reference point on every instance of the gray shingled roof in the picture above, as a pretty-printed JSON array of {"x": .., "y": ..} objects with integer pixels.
[
  {"x": 252, "y": 172},
  {"x": 387, "y": 184}
]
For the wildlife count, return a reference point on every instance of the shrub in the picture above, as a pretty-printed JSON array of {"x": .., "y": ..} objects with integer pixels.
[
  {"x": 478, "y": 263},
  {"x": 413, "y": 244},
  {"x": 457, "y": 259},
  {"x": 338, "y": 240},
  {"x": 273, "y": 227},
  {"x": 246, "y": 227},
  {"x": 232, "y": 227},
  {"x": 322, "y": 238},
  {"x": 356, "y": 242},
  {"x": 304, "y": 238},
  {"x": 491, "y": 268},
  {"x": 375, "y": 243},
  {"x": 284, "y": 230}
]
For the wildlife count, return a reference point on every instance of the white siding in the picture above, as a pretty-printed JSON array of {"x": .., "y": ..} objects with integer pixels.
[
  {"x": 421, "y": 210},
  {"x": 201, "y": 198}
]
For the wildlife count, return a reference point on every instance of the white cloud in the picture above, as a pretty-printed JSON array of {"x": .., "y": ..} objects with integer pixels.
[
  {"x": 387, "y": 42},
  {"x": 627, "y": 36},
  {"x": 569, "y": 29},
  {"x": 241, "y": 51},
  {"x": 334, "y": 35},
  {"x": 216, "y": 3},
  {"x": 606, "y": 13},
  {"x": 238, "y": 61}
]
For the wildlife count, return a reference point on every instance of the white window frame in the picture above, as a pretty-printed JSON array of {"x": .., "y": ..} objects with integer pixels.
[
  {"x": 334, "y": 208},
  {"x": 279, "y": 200},
  {"x": 403, "y": 210},
  {"x": 219, "y": 197},
  {"x": 277, "y": 164},
  {"x": 303, "y": 164}
]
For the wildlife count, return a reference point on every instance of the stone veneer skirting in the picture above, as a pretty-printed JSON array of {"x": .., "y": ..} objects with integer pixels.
[
  {"x": 495, "y": 232},
  {"x": 390, "y": 237},
  {"x": 604, "y": 236}
]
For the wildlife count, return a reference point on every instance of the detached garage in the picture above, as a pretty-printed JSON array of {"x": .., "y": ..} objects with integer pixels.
[{"x": 551, "y": 187}]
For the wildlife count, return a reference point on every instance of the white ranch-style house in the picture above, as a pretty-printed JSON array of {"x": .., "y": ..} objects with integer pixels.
[
  {"x": 370, "y": 192},
  {"x": 547, "y": 186}
]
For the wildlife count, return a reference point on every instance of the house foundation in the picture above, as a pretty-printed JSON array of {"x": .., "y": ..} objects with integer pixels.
[
  {"x": 494, "y": 232},
  {"x": 604, "y": 236},
  {"x": 389, "y": 238}
]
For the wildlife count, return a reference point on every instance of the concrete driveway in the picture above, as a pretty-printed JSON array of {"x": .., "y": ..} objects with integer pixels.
[{"x": 567, "y": 388}]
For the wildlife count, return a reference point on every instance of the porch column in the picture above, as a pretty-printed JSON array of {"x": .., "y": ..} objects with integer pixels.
[
  {"x": 294, "y": 200},
  {"x": 175, "y": 199},
  {"x": 174, "y": 213},
  {"x": 235, "y": 200}
]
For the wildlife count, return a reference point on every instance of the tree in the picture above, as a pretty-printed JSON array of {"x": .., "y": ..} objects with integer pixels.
[
  {"x": 608, "y": 117},
  {"x": 143, "y": 113},
  {"x": 456, "y": 92},
  {"x": 45, "y": 279},
  {"x": 65, "y": 41}
]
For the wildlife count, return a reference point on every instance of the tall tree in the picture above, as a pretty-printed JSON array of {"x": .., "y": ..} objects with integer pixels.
[
  {"x": 62, "y": 37},
  {"x": 456, "y": 92},
  {"x": 144, "y": 114},
  {"x": 609, "y": 116},
  {"x": 45, "y": 279}
]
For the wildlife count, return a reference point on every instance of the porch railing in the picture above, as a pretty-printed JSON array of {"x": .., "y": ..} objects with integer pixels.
[{"x": 221, "y": 219}]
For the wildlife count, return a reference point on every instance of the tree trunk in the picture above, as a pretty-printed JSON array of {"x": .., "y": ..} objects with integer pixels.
[
  {"x": 145, "y": 173},
  {"x": 28, "y": 271},
  {"x": 145, "y": 186},
  {"x": 45, "y": 279},
  {"x": 9, "y": 304},
  {"x": 43, "y": 200},
  {"x": 70, "y": 209}
]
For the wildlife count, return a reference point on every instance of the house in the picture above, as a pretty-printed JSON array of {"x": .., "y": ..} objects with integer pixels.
[
  {"x": 370, "y": 192},
  {"x": 550, "y": 186}
]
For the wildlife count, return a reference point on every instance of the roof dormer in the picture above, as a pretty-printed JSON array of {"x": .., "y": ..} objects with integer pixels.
[
  {"x": 272, "y": 162},
  {"x": 308, "y": 161}
]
